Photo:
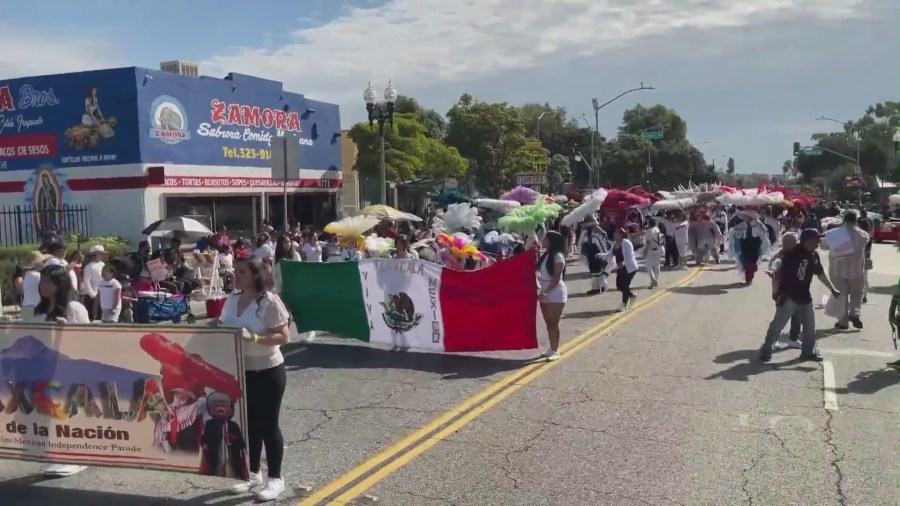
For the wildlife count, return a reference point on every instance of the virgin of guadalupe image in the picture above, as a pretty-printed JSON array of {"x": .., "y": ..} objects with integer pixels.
[{"x": 46, "y": 204}]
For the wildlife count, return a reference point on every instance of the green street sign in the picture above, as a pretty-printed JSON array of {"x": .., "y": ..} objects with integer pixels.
[
  {"x": 812, "y": 151},
  {"x": 652, "y": 135}
]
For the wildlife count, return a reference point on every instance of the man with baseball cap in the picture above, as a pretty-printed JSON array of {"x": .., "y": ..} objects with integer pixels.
[{"x": 793, "y": 298}]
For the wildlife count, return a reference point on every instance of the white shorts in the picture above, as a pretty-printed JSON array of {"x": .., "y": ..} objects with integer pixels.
[
  {"x": 558, "y": 295},
  {"x": 110, "y": 315}
]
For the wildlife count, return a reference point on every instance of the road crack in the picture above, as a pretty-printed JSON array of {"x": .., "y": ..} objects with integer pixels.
[
  {"x": 836, "y": 460},
  {"x": 745, "y": 478}
]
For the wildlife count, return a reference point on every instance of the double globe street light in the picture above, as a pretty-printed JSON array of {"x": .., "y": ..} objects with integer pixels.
[{"x": 381, "y": 112}]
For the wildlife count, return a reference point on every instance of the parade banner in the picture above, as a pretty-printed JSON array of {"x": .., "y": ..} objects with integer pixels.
[{"x": 161, "y": 398}]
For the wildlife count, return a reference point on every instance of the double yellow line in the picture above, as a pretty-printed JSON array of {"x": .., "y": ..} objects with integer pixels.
[{"x": 361, "y": 478}]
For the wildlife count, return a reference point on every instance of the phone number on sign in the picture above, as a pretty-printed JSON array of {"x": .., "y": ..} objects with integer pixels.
[
  {"x": 247, "y": 153},
  {"x": 27, "y": 146}
]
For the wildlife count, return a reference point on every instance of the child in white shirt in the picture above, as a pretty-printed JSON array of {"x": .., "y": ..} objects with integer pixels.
[{"x": 110, "y": 294}]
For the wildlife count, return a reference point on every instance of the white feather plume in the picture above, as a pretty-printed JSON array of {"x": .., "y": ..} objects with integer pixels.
[
  {"x": 672, "y": 204},
  {"x": 352, "y": 226},
  {"x": 751, "y": 198},
  {"x": 456, "y": 218},
  {"x": 501, "y": 206}
]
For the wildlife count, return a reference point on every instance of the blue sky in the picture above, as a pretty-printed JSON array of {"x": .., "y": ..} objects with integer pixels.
[{"x": 748, "y": 77}]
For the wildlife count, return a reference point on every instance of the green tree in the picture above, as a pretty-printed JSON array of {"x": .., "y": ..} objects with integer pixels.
[
  {"x": 877, "y": 156},
  {"x": 409, "y": 152},
  {"x": 490, "y": 137},
  {"x": 559, "y": 172},
  {"x": 674, "y": 160},
  {"x": 434, "y": 123}
]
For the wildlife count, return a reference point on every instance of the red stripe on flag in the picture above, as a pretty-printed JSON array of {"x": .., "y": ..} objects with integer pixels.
[{"x": 491, "y": 309}]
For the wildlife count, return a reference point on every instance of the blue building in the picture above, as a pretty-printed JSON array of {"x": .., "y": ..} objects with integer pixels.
[{"x": 134, "y": 145}]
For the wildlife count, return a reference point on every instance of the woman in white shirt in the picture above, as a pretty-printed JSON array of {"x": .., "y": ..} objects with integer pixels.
[
  {"x": 31, "y": 280},
  {"x": 401, "y": 244},
  {"x": 109, "y": 296},
  {"x": 261, "y": 320},
  {"x": 626, "y": 266},
  {"x": 654, "y": 249},
  {"x": 312, "y": 250},
  {"x": 58, "y": 304},
  {"x": 552, "y": 293}
]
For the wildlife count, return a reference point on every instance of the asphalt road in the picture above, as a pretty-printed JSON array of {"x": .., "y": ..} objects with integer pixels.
[{"x": 664, "y": 405}]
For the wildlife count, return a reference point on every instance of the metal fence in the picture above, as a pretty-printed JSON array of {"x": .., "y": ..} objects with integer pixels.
[{"x": 27, "y": 225}]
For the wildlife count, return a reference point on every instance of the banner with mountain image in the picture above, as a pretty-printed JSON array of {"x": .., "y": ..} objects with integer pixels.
[
  {"x": 163, "y": 398},
  {"x": 417, "y": 304}
]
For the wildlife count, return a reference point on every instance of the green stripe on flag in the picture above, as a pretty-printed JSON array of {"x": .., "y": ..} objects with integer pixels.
[{"x": 326, "y": 297}]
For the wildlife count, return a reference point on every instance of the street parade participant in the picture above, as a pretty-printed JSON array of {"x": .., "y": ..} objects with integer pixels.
[
  {"x": 594, "y": 245},
  {"x": 749, "y": 243},
  {"x": 705, "y": 238},
  {"x": 552, "y": 292},
  {"x": 846, "y": 268},
  {"x": 626, "y": 266},
  {"x": 793, "y": 297},
  {"x": 260, "y": 318},
  {"x": 788, "y": 242},
  {"x": 654, "y": 248},
  {"x": 59, "y": 304}
]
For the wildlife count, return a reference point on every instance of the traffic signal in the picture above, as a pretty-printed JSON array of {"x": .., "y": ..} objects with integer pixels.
[{"x": 796, "y": 149}]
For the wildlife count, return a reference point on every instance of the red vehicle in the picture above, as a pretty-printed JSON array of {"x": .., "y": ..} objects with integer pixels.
[{"x": 887, "y": 230}]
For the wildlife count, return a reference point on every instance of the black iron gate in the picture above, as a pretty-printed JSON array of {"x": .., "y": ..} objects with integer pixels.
[{"x": 26, "y": 225}]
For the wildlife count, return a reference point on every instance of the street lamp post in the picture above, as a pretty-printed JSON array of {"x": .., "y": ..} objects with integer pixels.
[
  {"x": 858, "y": 136},
  {"x": 381, "y": 112},
  {"x": 597, "y": 106},
  {"x": 537, "y": 134}
]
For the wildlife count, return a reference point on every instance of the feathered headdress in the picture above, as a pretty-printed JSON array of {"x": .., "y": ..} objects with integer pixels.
[
  {"x": 460, "y": 245},
  {"x": 457, "y": 218},
  {"x": 526, "y": 219},
  {"x": 352, "y": 229}
]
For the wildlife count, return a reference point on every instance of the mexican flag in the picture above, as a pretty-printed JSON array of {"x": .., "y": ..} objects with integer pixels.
[{"x": 416, "y": 303}]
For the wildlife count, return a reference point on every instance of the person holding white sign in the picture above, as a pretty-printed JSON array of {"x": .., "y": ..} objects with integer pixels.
[{"x": 261, "y": 320}]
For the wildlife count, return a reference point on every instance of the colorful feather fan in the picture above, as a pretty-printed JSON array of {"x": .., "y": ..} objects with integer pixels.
[
  {"x": 352, "y": 228},
  {"x": 526, "y": 219},
  {"x": 460, "y": 245},
  {"x": 379, "y": 247},
  {"x": 456, "y": 218},
  {"x": 590, "y": 206},
  {"x": 522, "y": 195}
]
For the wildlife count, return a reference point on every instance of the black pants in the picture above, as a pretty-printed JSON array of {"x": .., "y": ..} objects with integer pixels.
[
  {"x": 265, "y": 389},
  {"x": 623, "y": 283},
  {"x": 671, "y": 252}
]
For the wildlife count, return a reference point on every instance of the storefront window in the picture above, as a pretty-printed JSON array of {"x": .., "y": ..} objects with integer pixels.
[{"x": 236, "y": 213}]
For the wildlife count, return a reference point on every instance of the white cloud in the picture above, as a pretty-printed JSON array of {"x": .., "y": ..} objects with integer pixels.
[
  {"x": 425, "y": 42},
  {"x": 30, "y": 53}
]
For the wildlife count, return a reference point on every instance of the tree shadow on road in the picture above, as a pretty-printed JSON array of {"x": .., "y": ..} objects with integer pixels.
[
  {"x": 707, "y": 289},
  {"x": 340, "y": 356},
  {"x": 870, "y": 382},
  {"x": 748, "y": 365},
  {"x": 27, "y": 491}
]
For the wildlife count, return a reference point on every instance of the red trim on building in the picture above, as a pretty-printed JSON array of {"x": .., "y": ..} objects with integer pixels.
[{"x": 137, "y": 182}]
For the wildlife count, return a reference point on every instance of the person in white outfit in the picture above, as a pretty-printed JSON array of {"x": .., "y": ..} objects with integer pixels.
[
  {"x": 109, "y": 295},
  {"x": 654, "y": 249},
  {"x": 626, "y": 266},
  {"x": 31, "y": 281},
  {"x": 91, "y": 278},
  {"x": 847, "y": 271},
  {"x": 681, "y": 239},
  {"x": 552, "y": 293}
]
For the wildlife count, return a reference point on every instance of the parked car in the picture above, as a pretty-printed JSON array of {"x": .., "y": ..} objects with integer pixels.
[{"x": 887, "y": 230}]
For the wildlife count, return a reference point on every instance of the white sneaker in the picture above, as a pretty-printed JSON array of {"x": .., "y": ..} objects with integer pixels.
[
  {"x": 623, "y": 308},
  {"x": 62, "y": 470},
  {"x": 547, "y": 353},
  {"x": 552, "y": 356},
  {"x": 310, "y": 336},
  {"x": 243, "y": 487},
  {"x": 274, "y": 487}
]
